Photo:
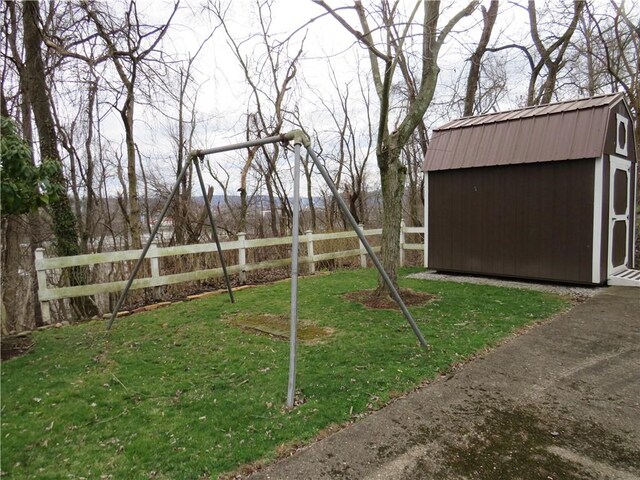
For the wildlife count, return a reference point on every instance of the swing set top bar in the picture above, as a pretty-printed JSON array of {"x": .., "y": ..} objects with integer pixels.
[
  {"x": 300, "y": 138},
  {"x": 294, "y": 135},
  {"x": 297, "y": 136}
]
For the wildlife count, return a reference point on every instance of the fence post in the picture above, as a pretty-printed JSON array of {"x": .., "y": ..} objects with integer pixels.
[
  {"x": 402, "y": 242},
  {"x": 242, "y": 256},
  {"x": 155, "y": 268},
  {"x": 312, "y": 264},
  {"x": 155, "y": 264},
  {"x": 42, "y": 285},
  {"x": 363, "y": 251}
]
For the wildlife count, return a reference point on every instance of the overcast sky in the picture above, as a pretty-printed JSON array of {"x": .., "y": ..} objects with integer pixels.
[{"x": 224, "y": 98}]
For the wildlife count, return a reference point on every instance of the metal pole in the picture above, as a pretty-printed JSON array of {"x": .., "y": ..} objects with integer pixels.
[
  {"x": 196, "y": 161},
  {"x": 374, "y": 258},
  {"x": 293, "y": 327},
  {"x": 284, "y": 137},
  {"x": 165, "y": 209}
]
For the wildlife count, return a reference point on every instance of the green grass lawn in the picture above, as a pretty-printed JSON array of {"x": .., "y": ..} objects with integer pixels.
[{"x": 181, "y": 393}]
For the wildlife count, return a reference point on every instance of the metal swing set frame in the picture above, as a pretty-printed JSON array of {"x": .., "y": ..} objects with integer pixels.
[{"x": 299, "y": 140}]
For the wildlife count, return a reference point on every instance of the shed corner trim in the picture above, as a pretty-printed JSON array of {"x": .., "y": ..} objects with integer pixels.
[{"x": 596, "y": 244}]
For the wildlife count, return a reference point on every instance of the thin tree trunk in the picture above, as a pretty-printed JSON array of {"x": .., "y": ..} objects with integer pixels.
[
  {"x": 132, "y": 179},
  {"x": 180, "y": 202},
  {"x": 244, "y": 209},
  {"x": 90, "y": 220},
  {"x": 312, "y": 208},
  {"x": 35, "y": 242},
  {"x": 272, "y": 203}
]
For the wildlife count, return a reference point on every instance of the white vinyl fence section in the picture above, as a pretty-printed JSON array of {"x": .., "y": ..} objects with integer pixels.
[{"x": 47, "y": 294}]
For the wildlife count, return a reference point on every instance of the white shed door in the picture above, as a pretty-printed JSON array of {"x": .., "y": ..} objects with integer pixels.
[{"x": 619, "y": 215}]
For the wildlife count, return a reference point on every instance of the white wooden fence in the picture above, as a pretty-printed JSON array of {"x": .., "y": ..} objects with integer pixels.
[{"x": 47, "y": 294}]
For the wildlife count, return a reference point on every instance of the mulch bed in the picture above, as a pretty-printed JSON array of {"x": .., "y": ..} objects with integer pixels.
[{"x": 370, "y": 299}]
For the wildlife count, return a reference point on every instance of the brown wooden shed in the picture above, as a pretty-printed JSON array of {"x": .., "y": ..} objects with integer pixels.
[{"x": 546, "y": 193}]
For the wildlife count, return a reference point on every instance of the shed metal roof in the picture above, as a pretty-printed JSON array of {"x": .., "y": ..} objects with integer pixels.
[{"x": 560, "y": 131}]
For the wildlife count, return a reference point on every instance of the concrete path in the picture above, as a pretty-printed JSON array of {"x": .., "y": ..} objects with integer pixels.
[{"x": 561, "y": 401}]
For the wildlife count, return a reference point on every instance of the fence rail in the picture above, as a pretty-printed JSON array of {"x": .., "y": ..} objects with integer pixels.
[{"x": 47, "y": 293}]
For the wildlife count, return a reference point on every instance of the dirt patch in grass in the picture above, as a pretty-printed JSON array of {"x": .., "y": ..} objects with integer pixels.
[
  {"x": 370, "y": 299},
  {"x": 277, "y": 326},
  {"x": 15, "y": 346}
]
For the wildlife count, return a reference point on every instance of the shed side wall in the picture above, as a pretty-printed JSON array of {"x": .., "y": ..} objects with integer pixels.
[{"x": 528, "y": 221}]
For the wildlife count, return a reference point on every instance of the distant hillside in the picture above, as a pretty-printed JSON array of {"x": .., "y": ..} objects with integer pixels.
[{"x": 235, "y": 200}]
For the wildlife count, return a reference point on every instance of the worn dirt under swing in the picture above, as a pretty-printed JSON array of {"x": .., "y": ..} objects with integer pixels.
[{"x": 299, "y": 139}]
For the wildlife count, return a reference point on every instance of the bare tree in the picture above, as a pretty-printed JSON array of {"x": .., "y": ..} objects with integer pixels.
[
  {"x": 178, "y": 106},
  {"x": 270, "y": 80},
  {"x": 64, "y": 220},
  {"x": 546, "y": 53},
  {"x": 547, "y": 60},
  {"x": 618, "y": 35},
  {"x": 586, "y": 73},
  {"x": 340, "y": 118},
  {"x": 352, "y": 138},
  {"x": 14, "y": 56},
  {"x": 385, "y": 55},
  {"x": 489, "y": 17},
  {"x": 128, "y": 45}
]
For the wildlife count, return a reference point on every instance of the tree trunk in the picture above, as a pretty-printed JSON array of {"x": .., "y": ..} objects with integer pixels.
[
  {"x": 35, "y": 242},
  {"x": 273, "y": 213},
  {"x": 64, "y": 221},
  {"x": 10, "y": 272},
  {"x": 90, "y": 220},
  {"x": 392, "y": 178},
  {"x": 415, "y": 215},
  {"x": 312, "y": 207},
  {"x": 34, "y": 219},
  {"x": 132, "y": 178},
  {"x": 244, "y": 210},
  {"x": 180, "y": 211},
  {"x": 353, "y": 205}
]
